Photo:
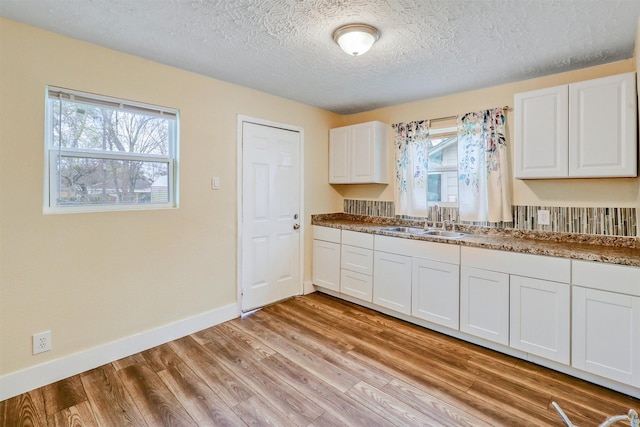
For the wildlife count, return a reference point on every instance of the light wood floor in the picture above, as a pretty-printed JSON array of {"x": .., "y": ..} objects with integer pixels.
[{"x": 315, "y": 361}]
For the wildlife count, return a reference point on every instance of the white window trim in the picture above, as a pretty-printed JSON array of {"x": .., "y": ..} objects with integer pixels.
[{"x": 49, "y": 200}]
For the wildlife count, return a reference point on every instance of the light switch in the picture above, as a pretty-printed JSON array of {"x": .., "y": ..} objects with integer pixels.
[{"x": 215, "y": 183}]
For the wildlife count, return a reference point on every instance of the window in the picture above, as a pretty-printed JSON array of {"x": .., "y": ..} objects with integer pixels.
[
  {"x": 108, "y": 154},
  {"x": 443, "y": 166}
]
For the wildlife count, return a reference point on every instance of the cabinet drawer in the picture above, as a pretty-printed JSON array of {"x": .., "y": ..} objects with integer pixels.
[
  {"x": 354, "y": 238},
  {"x": 441, "y": 252},
  {"x": 356, "y": 284},
  {"x": 327, "y": 234},
  {"x": 607, "y": 277},
  {"x": 357, "y": 259},
  {"x": 537, "y": 266}
]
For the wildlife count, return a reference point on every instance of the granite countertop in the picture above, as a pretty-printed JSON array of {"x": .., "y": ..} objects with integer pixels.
[{"x": 609, "y": 249}]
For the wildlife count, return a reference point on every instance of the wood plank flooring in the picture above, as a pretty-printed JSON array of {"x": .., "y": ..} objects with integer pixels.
[{"x": 315, "y": 361}]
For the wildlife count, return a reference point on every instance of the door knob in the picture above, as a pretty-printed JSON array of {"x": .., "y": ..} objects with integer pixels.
[{"x": 296, "y": 226}]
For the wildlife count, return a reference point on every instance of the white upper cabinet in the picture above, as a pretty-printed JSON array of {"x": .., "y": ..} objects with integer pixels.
[
  {"x": 542, "y": 133},
  {"x": 359, "y": 154},
  {"x": 603, "y": 139},
  {"x": 581, "y": 130}
]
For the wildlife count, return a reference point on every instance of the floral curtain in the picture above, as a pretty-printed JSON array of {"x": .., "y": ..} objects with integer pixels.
[
  {"x": 483, "y": 168},
  {"x": 412, "y": 145}
]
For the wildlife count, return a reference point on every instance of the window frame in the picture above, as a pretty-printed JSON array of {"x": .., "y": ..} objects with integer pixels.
[{"x": 53, "y": 153}]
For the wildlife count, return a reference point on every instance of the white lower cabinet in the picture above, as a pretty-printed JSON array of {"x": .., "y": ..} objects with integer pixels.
[
  {"x": 606, "y": 323},
  {"x": 580, "y": 313},
  {"x": 417, "y": 278},
  {"x": 326, "y": 264},
  {"x": 484, "y": 304},
  {"x": 357, "y": 265},
  {"x": 436, "y": 292},
  {"x": 392, "y": 281},
  {"x": 540, "y": 315},
  {"x": 326, "y": 257}
]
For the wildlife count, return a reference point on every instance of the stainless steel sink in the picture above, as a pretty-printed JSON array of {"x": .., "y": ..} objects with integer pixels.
[
  {"x": 444, "y": 233},
  {"x": 405, "y": 230}
]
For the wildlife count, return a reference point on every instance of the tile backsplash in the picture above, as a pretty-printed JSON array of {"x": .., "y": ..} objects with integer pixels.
[
  {"x": 369, "y": 207},
  {"x": 584, "y": 220}
]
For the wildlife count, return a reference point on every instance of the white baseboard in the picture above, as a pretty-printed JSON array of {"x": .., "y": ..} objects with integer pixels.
[{"x": 19, "y": 382}]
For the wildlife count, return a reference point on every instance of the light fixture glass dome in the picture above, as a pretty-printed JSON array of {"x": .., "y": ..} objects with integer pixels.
[{"x": 356, "y": 39}]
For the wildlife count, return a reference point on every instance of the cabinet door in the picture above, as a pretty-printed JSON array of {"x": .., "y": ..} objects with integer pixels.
[
  {"x": 603, "y": 127},
  {"x": 392, "y": 281},
  {"x": 541, "y": 133},
  {"x": 484, "y": 304},
  {"x": 326, "y": 264},
  {"x": 339, "y": 155},
  {"x": 356, "y": 284},
  {"x": 606, "y": 334},
  {"x": 363, "y": 153},
  {"x": 435, "y": 292},
  {"x": 540, "y": 315}
]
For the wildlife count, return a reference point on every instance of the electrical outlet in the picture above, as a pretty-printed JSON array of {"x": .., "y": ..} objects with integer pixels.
[
  {"x": 41, "y": 342},
  {"x": 543, "y": 217}
]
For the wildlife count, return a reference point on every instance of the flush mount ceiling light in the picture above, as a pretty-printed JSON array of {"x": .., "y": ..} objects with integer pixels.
[{"x": 356, "y": 39}]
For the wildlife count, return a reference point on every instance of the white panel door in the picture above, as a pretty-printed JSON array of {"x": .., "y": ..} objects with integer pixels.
[
  {"x": 541, "y": 133},
  {"x": 392, "y": 281},
  {"x": 340, "y": 155},
  {"x": 326, "y": 264},
  {"x": 270, "y": 215},
  {"x": 540, "y": 318},
  {"x": 484, "y": 304},
  {"x": 606, "y": 334},
  {"x": 362, "y": 153},
  {"x": 436, "y": 292},
  {"x": 603, "y": 119}
]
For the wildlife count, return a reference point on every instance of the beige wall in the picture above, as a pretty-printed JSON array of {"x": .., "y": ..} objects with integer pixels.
[
  {"x": 95, "y": 278},
  {"x": 620, "y": 192}
]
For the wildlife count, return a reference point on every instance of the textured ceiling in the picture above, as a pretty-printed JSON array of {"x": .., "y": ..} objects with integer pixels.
[{"x": 428, "y": 48}]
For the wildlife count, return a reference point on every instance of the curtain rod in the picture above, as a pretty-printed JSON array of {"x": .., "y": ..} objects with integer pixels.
[{"x": 440, "y": 119}]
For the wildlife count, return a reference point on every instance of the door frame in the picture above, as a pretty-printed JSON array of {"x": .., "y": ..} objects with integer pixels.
[{"x": 239, "y": 197}]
